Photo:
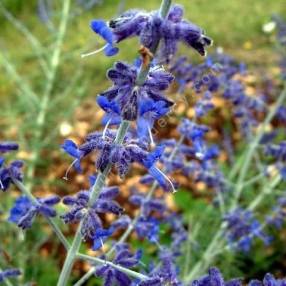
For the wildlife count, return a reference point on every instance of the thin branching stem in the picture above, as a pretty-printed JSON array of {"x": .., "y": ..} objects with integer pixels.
[
  {"x": 132, "y": 224},
  {"x": 116, "y": 266}
]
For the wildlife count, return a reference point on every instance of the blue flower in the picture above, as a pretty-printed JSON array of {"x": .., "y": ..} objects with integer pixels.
[
  {"x": 204, "y": 105},
  {"x": 166, "y": 273},
  {"x": 122, "y": 258},
  {"x": 268, "y": 280},
  {"x": 123, "y": 155},
  {"x": 179, "y": 233},
  {"x": 24, "y": 211},
  {"x": 154, "y": 281},
  {"x": 100, "y": 236},
  {"x": 72, "y": 149},
  {"x": 9, "y": 273},
  {"x": 192, "y": 130},
  {"x": 281, "y": 111},
  {"x": 112, "y": 110},
  {"x": 277, "y": 151},
  {"x": 147, "y": 205},
  {"x": 149, "y": 111},
  {"x": 8, "y": 147},
  {"x": 100, "y": 27},
  {"x": 148, "y": 227},
  {"x": 278, "y": 216},
  {"x": 151, "y": 28},
  {"x": 10, "y": 172},
  {"x": 215, "y": 278}
]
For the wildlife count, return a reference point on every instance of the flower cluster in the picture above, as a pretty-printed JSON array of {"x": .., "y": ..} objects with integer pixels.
[
  {"x": 24, "y": 210},
  {"x": 242, "y": 228},
  {"x": 214, "y": 277},
  {"x": 195, "y": 157},
  {"x": 151, "y": 28},
  {"x": 80, "y": 210},
  {"x": 217, "y": 76},
  {"x": 277, "y": 218},
  {"x": 120, "y": 155}
]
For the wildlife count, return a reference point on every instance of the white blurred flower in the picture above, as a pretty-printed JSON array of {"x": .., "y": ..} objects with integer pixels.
[
  {"x": 269, "y": 27},
  {"x": 65, "y": 128}
]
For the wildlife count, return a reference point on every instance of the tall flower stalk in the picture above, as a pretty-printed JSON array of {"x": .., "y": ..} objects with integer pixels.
[{"x": 100, "y": 181}]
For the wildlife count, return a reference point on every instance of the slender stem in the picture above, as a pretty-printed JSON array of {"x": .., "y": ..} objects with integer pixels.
[
  {"x": 254, "y": 179},
  {"x": 55, "y": 61},
  {"x": 116, "y": 266},
  {"x": 211, "y": 247},
  {"x": 51, "y": 221},
  {"x": 235, "y": 169},
  {"x": 250, "y": 152},
  {"x": 23, "y": 86},
  {"x": 85, "y": 277},
  {"x": 267, "y": 190}
]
